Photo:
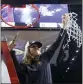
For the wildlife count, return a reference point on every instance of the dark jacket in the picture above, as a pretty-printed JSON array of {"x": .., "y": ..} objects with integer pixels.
[{"x": 37, "y": 73}]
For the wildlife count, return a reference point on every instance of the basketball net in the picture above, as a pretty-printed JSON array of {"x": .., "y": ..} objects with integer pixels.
[{"x": 73, "y": 29}]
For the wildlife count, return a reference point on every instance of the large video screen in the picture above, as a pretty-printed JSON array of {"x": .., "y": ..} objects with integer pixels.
[{"x": 48, "y": 15}]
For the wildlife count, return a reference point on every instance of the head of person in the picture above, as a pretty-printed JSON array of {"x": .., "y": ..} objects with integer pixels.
[
  {"x": 33, "y": 51},
  {"x": 35, "y": 48}
]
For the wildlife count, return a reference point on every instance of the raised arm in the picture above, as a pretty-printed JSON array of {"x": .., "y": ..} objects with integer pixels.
[{"x": 50, "y": 52}]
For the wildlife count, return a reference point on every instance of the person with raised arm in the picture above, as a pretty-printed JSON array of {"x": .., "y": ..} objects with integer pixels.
[{"x": 35, "y": 67}]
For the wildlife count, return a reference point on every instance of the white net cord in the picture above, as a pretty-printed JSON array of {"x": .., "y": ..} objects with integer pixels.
[{"x": 73, "y": 29}]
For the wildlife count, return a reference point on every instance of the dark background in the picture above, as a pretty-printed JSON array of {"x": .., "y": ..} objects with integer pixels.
[{"x": 41, "y": 1}]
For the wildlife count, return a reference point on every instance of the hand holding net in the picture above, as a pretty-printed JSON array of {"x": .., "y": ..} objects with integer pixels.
[{"x": 73, "y": 29}]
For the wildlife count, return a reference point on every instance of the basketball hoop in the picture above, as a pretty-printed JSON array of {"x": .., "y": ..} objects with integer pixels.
[{"x": 28, "y": 25}]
